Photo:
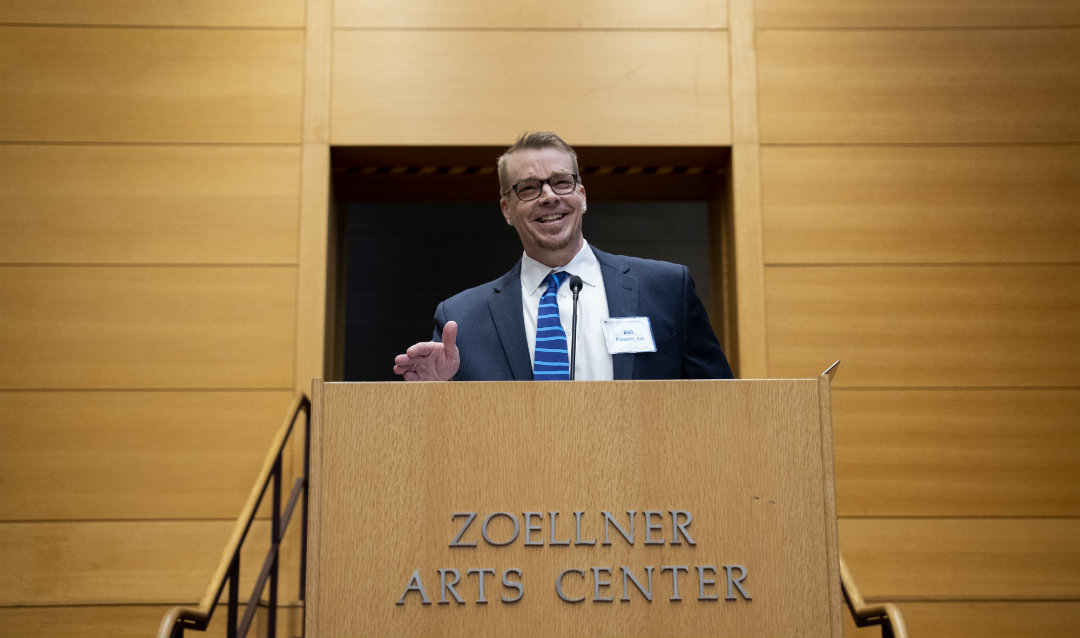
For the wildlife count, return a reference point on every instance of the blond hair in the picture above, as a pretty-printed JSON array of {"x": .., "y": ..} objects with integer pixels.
[{"x": 539, "y": 140}]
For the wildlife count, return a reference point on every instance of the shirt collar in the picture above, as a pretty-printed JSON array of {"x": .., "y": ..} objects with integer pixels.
[{"x": 584, "y": 265}]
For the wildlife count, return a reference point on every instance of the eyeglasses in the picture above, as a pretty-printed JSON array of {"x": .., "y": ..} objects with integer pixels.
[{"x": 530, "y": 189}]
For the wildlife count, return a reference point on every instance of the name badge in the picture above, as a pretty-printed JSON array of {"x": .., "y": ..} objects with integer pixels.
[{"x": 628, "y": 334}]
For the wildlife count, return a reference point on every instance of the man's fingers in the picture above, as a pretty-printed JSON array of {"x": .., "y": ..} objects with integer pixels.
[
  {"x": 449, "y": 334},
  {"x": 422, "y": 349},
  {"x": 428, "y": 360}
]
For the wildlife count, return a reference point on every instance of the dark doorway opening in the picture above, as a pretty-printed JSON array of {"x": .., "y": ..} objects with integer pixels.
[{"x": 415, "y": 225}]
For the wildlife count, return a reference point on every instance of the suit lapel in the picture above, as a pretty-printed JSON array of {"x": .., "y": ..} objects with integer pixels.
[
  {"x": 622, "y": 298},
  {"x": 505, "y": 307}
]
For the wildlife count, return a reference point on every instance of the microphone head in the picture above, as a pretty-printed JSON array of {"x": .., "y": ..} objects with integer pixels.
[{"x": 575, "y": 284}]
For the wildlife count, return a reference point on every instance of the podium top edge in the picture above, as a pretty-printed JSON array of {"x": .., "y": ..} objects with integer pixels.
[{"x": 555, "y": 383}]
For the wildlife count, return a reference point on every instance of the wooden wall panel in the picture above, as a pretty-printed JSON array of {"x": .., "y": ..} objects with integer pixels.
[
  {"x": 921, "y": 204},
  {"x": 136, "y": 562},
  {"x": 1033, "y": 559},
  {"x": 1057, "y": 619},
  {"x": 133, "y": 455},
  {"x": 126, "y": 621},
  {"x": 115, "y": 621},
  {"x": 193, "y": 13},
  {"x": 957, "y": 452},
  {"x": 743, "y": 284},
  {"x": 916, "y": 13},
  {"x": 484, "y": 87},
  {"x": 928, "y": 86},
  {"x": 150, "y": 85},
  {"x": 317, "y": 241},
  {"x": 947, "y": 326},
  {"x": 149, "y": 231},
  {"x": 148, "y": 204},
  {"x": 918, "y": 183},
  {"x": 559, "y": 14},
  {"x": 147, "y": 327}
]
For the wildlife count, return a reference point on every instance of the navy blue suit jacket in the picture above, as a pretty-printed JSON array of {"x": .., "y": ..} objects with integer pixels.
[{"x": 491, "y": 329}]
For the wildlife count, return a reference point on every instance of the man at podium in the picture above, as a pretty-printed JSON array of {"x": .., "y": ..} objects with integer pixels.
[{"x": 566, "y": 310}]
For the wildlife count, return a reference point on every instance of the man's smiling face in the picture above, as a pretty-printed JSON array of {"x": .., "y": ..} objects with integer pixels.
[{"x": 550, "y": 225}]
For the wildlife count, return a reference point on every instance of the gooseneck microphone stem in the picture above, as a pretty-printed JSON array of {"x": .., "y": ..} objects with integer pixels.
[{"x": 575, "y": 287}]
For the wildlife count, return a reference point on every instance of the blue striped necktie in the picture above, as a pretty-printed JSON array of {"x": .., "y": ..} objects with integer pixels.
[{"x": 551, "y": 361}]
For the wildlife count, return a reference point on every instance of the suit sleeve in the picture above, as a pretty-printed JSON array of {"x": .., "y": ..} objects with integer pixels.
[
  {"x": 703, "y": 358},
  {"x": 440, "y": 321}
]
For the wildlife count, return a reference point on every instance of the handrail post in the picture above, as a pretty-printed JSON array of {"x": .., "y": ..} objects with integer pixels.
[
  {"x": 304, "y": 520},
  {"x": 177, "y": 630},
  {"x": 275, "y": 545},
  {"x": 234, "y": 596}
]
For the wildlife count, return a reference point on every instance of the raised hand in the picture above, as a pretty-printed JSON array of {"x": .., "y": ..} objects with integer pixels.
[{"x": 431, "y": 360}]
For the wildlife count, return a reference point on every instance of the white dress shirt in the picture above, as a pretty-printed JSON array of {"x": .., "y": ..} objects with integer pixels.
[{"x": 593, "y": 363}]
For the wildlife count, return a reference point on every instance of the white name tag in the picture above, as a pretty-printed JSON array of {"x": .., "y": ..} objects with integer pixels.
[{"x": 628, "y": 334}]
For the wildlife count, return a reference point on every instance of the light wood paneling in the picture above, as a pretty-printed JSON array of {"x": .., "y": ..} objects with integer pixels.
[
  {"x": 132, "y": 562},
  {"x": 559, "y": 14},
  {"x": 124, "y": 621},
  {"x": 147, "y": 327},
  {"x": 885, "y": 86},
  {"x": 927, "y": 559},
  {"x": 485, "y": 87},
  {"x": 957, "y": 452},
  {"x": 119, "y": 455},
  {"x": 194, "y": 13},
  {"x": 917, "y": 13},
  {"x": 318, "y": 225},
  {"x": 745, "y": 250},
  {"x": 931, "y": 326},
  {"x": 921, "y": 204},
  {"x": 150, "y": 85},
  {"x": 116, "y": 621},
  {"x": 981, "y": 619},
  {"x": 148, "y": 204}
]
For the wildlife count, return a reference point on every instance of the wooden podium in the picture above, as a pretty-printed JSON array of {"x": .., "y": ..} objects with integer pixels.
[{"x": 622, "y": 508}]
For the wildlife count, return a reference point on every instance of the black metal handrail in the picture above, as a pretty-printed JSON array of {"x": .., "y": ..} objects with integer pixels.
[{"x": 178, "y": 619}]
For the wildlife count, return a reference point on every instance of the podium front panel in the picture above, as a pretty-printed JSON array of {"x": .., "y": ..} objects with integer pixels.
[{"x": 626, "y": 508}]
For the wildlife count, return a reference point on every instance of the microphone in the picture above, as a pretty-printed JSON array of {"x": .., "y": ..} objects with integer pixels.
[{"x": 575, "y": 287}]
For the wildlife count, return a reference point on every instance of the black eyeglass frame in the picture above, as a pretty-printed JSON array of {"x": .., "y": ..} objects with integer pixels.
[{"x": 540, "y": 190}]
